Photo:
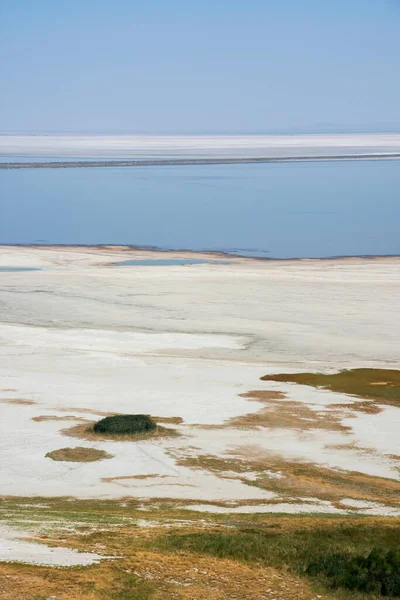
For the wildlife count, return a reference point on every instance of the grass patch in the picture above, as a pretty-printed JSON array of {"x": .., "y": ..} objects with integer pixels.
[
  {"x": 382, "y": 385},
  {"x": 79, "y": 454},
  {"x": 129, "y": 587},
  {"x": 340, "y": 555},
  {"x": 294, "y": 547},
  {"x": 379, "y": 572}
]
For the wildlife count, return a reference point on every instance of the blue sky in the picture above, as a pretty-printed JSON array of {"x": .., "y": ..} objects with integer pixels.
[{"x": 176, "y": 66}]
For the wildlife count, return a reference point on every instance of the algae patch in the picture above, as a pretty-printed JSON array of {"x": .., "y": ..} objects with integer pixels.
[{"x": 382, "y": 385}]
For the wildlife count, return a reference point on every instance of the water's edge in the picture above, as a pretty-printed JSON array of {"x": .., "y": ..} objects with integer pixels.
[{"x": 191, "y": 161}]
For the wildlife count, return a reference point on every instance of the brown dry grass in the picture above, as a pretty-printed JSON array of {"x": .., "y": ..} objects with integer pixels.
[
  {"x": 285, "y": 414},
  {"x": 221, "y": 579},
  {"x": 172, "y": 573},
  {"x": 300, "y": 479},
  {"x": 174, "y": 577},
  {"x": 86, "y": 432},
  {"x": 79, "y": 454}
]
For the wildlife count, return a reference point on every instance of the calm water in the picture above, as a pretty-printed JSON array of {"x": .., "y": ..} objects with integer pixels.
[
  {"x": 166, "y": 262},
  {"x": 272, "y": 210},
  {"x": 12, "y": 269}
]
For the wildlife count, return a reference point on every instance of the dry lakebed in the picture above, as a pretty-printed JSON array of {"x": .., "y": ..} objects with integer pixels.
[{"x": 274, "y": 386}]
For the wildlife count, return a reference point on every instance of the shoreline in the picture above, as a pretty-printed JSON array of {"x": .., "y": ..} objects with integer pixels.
[
  {"x": 192, "y": 161},
  {"x": 207, "y": 252}
]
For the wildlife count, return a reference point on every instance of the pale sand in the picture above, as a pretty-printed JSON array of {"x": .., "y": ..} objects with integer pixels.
[
  {"x": 293, "y": 508},
  {"x": 14, "y": 548},
  {"x": 184, "y": 341}
]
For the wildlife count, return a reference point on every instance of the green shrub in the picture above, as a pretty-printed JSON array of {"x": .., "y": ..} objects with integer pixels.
[
  {"x": 125, "y": 424},
  {"x": 379, "y": 572}
]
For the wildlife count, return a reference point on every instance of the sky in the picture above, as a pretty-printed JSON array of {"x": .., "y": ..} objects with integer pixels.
[{"x": 173, "y": 66}]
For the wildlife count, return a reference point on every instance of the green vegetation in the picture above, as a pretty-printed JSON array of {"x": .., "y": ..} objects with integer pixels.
[
  {"x": 339, "y": 556},
  {"x": 306, "y": 555},
  {"x": 379, "y": 572},
  {"x": 125, "y": 424},
  {"x": 297, "y": 547},
  {"x": 130, "y": 587},
  {"x": 79, "y": 454},
  {"x": 382, "y": 385}
]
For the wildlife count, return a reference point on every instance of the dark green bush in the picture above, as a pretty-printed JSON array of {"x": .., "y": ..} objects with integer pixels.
[
  {"x": 379, "y": 572},
  {"x": 125, "y": 424}
]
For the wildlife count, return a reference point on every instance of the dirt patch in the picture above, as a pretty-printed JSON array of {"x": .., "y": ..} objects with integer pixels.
[
  {"x": 79, "y": 454},
  {"x": 394, "y": 456},
  {"x": 171, "y": 420},
  {"x": 279, "y": 413},
  {"x": 296, "y": 479},
  {"x": 367, "y": 407},
  {"x": 265, "y": 396},
  {"x": 57, "y": 418},
  {"x": 86, "y": 432},
  {"x": 147, "y": 476},
  {"x": 88, "y": 411},
  {"x": 352, "y": 447},
  {"x": 130, "y": 477},
  {"x": 21, "y": 401}
]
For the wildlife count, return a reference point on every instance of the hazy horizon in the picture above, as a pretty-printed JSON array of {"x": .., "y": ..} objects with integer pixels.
[
  {"x": 312, "y": 130},
  {"x": 179, "y": 68},
  {"x": 125, "y": 146}
]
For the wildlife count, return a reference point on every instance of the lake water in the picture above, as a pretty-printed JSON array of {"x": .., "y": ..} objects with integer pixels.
[
  {"x": 17, "y": 269},
  {"x": 166, "y": 262},
  {"x": 273, "y": 210}
]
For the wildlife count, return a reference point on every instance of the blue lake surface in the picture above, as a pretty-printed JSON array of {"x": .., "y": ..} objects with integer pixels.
[
  {"x": 270, "y": 210},
  {"x": 167, "y": 262},
  {"x": 13, "y": 269}
]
